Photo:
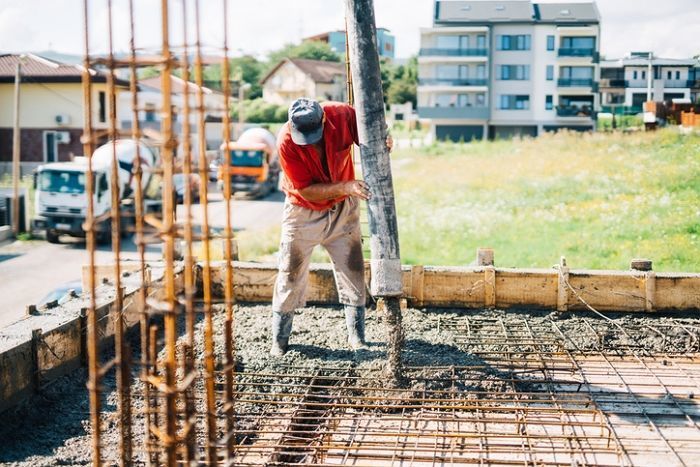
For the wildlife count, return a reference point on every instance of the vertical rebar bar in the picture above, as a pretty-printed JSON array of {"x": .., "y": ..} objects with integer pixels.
[
  {"x": 209, "y": 362},
  {"x": 168, "y": 233},
  {"x": 122, "y": 373},
  {"x": 189, "y": 285},
  {"x": 139, "y": 239},
  {"x": 228, "y": 235},
  {"x": 92, "y": 344}
]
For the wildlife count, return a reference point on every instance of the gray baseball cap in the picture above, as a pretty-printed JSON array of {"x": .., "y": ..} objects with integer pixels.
[{"x": 306, "y": 121}]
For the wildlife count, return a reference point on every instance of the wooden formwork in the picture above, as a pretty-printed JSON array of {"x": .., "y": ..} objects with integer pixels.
[{"x": 559, "y": 289}]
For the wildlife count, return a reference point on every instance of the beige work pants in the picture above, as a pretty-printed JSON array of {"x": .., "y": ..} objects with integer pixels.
[{"x": 338, "y": 231}]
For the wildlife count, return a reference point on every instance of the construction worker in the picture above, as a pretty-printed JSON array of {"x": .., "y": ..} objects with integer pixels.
[{"x": 322, "y": 207}]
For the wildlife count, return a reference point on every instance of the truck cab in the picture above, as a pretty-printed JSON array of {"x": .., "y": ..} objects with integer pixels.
[
  {"x": 60, "y": 202},
  {"x": 253, "y": 163}
]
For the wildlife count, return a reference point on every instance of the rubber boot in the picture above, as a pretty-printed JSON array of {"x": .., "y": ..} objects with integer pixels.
[
  {"x": 355, "y": 322},
  {"x": 281, "y": 329}
]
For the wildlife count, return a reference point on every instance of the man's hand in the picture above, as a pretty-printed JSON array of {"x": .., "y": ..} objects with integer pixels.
[
  {"x": 358, "y": 189},
  {"x": 389, "y": 142}
]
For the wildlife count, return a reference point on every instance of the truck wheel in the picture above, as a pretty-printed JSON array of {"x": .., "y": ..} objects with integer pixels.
[{"x": 52, "y": 237}]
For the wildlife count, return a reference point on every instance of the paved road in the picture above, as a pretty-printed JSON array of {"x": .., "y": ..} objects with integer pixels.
[{"x": 30, "y": 270}]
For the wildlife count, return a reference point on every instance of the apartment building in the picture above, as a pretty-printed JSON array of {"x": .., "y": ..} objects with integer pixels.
[
  {"x": 496, "y": 69},
  {"x": 627, "y": 82}
]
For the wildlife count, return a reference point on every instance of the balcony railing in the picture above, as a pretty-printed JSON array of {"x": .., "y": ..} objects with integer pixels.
[
  {"x": 678, "y": 83},
  {"x": 575, "y": 83},
  {"x": 436, "y": 52},
  {"x": 474, "y": 113},
  {"x": 574, "y": 111},
  {"x": 453, "y": 82},
  {"x": 575, "y": 52},
  {"x": 613, "y": 83}
]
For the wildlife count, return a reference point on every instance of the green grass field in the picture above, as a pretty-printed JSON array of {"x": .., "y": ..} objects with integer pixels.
[{"x": 600, "y": 200}]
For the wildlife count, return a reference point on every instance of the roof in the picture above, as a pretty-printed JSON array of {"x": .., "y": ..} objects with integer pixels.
[
  {"x": 483, "y": 11},
  {"x": 318, "y": 70},
  {"x": 177, "y": 85},
  {"x": 39, "y": 69},
  {"x": 567, "y": 12},
  {"x": 639, "y": 61},
  {"x": 494, "y": 11}
]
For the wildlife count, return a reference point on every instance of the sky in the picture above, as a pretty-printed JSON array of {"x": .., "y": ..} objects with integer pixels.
[{"x": 670, "y": 28}]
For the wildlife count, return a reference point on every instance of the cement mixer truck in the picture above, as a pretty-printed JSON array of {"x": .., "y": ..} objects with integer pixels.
[
  {"x": 253, "y": 163},
  {"x": 60, "y": 198}
]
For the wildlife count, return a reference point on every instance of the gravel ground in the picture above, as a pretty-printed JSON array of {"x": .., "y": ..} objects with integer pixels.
[{"x": 52, "y": 428}]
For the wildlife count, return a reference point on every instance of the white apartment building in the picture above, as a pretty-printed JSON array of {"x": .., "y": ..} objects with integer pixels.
[
  {"x": 627, "y": 82},
  {"x": 495, "y": 69}
]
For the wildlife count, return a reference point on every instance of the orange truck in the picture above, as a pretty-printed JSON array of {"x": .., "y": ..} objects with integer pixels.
[{"x": 253, "y": 163}]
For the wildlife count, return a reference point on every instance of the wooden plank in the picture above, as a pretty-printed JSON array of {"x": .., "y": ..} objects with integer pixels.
[
  {"x": 531, "y": 289},
  {"x": 489, "y": 287}
]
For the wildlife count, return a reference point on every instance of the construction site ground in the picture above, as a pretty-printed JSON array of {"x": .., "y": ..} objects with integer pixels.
[{"x": 481, "y": 387}]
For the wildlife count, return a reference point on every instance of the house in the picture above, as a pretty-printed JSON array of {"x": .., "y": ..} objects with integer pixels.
[
  {"x": 51, "y": 109},
  {"x": 386, "y": 42},
  {"x": 293, "y": 78},
  {"x": 150, "y": 100},
  {"x": 493, "y": 69},
  {"x": 627, "y": 82}
]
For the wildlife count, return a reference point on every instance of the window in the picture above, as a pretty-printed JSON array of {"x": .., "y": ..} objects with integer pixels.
[
  {"x": 669, "y": 74},
  {"x": 550, "y": 42},
  {"x": 150, "y": 112},
  {"x": 634, "y": 74},
  {"x": 520, "y": 42},
  {"x": 514, "y": 102},
  {"x": 548, "y": 102},
  {"x": 678, "y": 75},
  {"x": 481, "y": 41},
  {"x": 102, "y": 106},
  {"x": 514, "y": 72},
  {"x": 480, "y": 99},
  {"x": 644, "y": 75},
  {"x": 453, "y": 72},
  {"x": 453, "y": 42},
  {"x": 576, "y": 72},
  {"x": 578, "y": 43},
  {"x": 481, "y": 71},
  {"x": 550, "y": 72},
  {"x": 453, "y": 100}
]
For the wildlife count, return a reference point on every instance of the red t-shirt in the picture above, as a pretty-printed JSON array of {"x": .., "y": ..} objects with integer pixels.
[{"x": 302, "y": 166}]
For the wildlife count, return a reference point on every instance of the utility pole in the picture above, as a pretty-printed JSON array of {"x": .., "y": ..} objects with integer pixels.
[
  {"x": 371, "y": 126},
  {"x": 650, "y": 78},
  {"x": 15, "y": 153}
]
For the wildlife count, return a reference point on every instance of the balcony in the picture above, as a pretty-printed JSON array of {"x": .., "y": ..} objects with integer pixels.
[
  {"x": 453, "y": 82},
  {"x": 575, "y": 52},
  {"x": 613, "y": 83},
  {"x": 676, "y": 84},
  {"x": 435, "y": 52},
  {"x": 453, "y": 113},
  {"x": 574, "y": 111},
  {"x": 575, "y": 83}
]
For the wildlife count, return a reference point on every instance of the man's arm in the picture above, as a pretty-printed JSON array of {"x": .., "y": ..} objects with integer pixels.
[{"x": 325, "y": 191}]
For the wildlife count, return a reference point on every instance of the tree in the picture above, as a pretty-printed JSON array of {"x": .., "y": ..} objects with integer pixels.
[
  {"x": 400, "y": 82},
  {"x": 246, "y": 68},
  {"x": 313, "y": 50}
]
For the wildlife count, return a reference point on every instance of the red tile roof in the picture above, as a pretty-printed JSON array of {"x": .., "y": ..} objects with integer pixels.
[{"x": 39, "y": 69}]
